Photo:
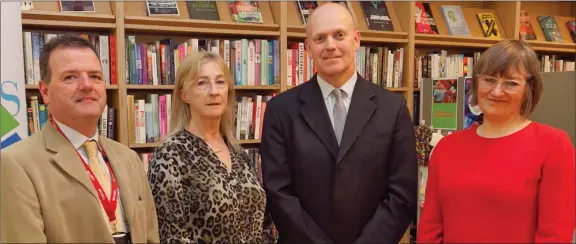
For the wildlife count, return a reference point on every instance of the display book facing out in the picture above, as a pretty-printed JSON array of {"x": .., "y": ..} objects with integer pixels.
[{"x": 280, "y": 22}]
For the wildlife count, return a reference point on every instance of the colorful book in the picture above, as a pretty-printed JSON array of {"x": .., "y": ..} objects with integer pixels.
[
  {"x": 246, "y": 11},
  {"x": 526, "y": 30},
  {"x": 306, "y": 8},
  {"x": 377, "y": 16},
  {"x": 425, "y": 22},
  {"x": 455, "y": 21},
  {"x": 550, "y": 28},
  {"x": 488, "y": 24},
  {"x": 571, "y": 24}
]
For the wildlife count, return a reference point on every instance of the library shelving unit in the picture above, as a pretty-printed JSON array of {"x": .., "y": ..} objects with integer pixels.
[{"x": 281, "y": 22}]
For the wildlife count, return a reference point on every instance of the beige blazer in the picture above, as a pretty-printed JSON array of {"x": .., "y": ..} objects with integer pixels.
[{"x": 47, "y": 195}]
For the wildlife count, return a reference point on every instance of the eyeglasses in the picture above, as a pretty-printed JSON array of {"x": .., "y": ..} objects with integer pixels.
[
  {"x": 204, "y": 85},
  {"x": 488, "y": 83}
]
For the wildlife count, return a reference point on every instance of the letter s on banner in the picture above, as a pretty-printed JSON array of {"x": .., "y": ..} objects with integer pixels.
[{"x": 13, "y": 112}]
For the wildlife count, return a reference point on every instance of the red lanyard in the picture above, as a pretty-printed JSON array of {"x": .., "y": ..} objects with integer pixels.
[{"x": 109, "y": 205}]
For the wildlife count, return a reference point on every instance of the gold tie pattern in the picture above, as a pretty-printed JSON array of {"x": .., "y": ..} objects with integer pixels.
[{"x": 97, "y": 168}]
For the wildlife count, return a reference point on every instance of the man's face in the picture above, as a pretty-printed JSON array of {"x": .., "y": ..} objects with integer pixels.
[
  {"x": 77, "y": 89},
  {"x": 332, "y": 41}
]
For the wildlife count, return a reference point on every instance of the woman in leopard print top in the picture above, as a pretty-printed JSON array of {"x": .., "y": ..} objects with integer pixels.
[{"x": 205, "y": 187}]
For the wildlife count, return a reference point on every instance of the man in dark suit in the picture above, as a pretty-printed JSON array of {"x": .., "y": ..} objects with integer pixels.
[{"x": 338, "y": 152}]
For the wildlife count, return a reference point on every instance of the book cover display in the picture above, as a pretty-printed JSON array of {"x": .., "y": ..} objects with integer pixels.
[
  {"x": 205, "y": 10},
  {"x": 246, "y": 11},
  {"x": 550, "y": 28},
  {"x": 377, "y": 16},
  {"x": 424, "y": 20},
  {"x": 526, "y": 30},
  {"x": 488, "y": 24},
  {"x": 455, "y": 21},
  {"x": 472, "y": 114},
  {"x": 571, "y": 25},
  {"x": 77, "y": 6},
  {"x": 444, "y": 103},
  {"x": 162, "y": 8},
  {"x": 306, "y": 8}
]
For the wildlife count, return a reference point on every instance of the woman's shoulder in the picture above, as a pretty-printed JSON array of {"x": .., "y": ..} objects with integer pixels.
[{"x": 549, "y": 135}]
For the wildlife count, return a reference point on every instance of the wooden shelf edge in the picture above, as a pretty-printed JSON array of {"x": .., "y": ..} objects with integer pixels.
[
  {"x": 150, "y": 29},
  {"x": 67, "y": 23},
  {"x": 156, "y": 144},
  {"x": 299, "y": 32},
  {"x": 67, "y": 16},
  {"x": 564, "y": 47},
  {"x": 257, "y": 87},
  {"x": 35, "y": 87},
  {"x": 149, "y": 87},
  {"x": 170, "y": 87},
  {"x": 459, "y": 41},
  {"x": 223, "y": 26}
]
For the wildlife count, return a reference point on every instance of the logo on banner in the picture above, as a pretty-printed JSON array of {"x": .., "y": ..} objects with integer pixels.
[{"x": 9, "y": 111}]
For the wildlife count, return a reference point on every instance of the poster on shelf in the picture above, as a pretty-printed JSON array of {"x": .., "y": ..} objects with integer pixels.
[{"x": 13, "y": 113}]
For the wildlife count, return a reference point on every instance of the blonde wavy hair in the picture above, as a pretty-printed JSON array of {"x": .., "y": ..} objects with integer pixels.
[{"x": 186, "y": 74}]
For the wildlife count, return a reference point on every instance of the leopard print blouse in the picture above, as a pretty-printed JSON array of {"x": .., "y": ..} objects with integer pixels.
[{"x": 198, "y": 201}]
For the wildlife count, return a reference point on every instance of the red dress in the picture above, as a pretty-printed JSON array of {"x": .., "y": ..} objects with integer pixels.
[{"x": 519, "y": 188}]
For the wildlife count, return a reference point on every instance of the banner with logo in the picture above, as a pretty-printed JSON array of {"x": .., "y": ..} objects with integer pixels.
[{"x": 13, "y": 113}]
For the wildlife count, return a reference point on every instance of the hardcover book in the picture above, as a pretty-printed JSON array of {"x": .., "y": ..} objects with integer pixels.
[
  {"x": 526, "y": 30},
  {"x": 306, "y": 8},
  {"x": 162, "y": 8},
  {"x": 455, "y": 21},
  {"x": 206, "y": 10},
  {"x": 488, "y": 24},
  {"x": 550, "y": 28},
  {"x": 246, "y": 11},
  {"x": 377, "y": 16},
  {"x": 571, "y": 24},
  {"x": 425, "y": 22}
]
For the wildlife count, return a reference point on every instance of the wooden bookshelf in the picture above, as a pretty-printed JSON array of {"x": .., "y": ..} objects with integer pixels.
[{"x": 282, "y": 22}]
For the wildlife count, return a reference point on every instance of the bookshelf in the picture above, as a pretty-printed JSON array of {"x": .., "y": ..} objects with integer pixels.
[{"x": 281, "y": 22}]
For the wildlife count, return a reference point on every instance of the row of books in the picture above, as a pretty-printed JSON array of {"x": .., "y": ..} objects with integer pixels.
[
  {"x": 251, "y": 61},
  {"x": 37, "y": 113},
  {"x": 437, "y": 64},
  {"x": 149, "y": 117},
  {"x": 556, "y": 63},
  {"x": 380, "y": 65},
  {"x": 33, "y": 42},
  {"x": 456, "y": 23}
]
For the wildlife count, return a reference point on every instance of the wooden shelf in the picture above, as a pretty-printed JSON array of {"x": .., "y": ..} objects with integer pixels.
[
  {"x": 436, "y": 40},
  {"x": 52, "y": 19},
  {"x": 189, "y": 26},
  {"x": 149, "y": 87},
  {"x": 35, "y": 87},
  {"x": 156, "y": 144},
  {"x": 170, "y": 87},
  {"x": 299, "y": 32},
  {"x": 557, "y": 47}
]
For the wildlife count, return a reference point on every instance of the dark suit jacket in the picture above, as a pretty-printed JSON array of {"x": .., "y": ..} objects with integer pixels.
[{"x": 364, "y": 191}]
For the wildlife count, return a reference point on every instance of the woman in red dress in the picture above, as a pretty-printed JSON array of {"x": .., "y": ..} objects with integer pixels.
[{"x": 509, "y": 180}]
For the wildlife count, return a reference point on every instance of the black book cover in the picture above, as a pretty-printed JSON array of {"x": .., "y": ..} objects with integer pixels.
[{"x": 377, "y": 16}]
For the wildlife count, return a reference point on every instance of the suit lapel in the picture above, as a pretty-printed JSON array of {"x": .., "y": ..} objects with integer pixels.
[
  {"x": 360, "y": 111},
  {"x": 120, "y": 165},
  {"x": 315, "y": 113},
  {"x": 66, "y": 157}
]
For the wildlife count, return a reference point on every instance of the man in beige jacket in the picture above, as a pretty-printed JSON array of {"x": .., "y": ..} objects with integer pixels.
[{"x": 66, "y": 183}]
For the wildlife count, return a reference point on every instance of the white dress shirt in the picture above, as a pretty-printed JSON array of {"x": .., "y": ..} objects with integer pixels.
[
  {"x": 330, "y": 99},
  {"x": 77, "y": 139}
]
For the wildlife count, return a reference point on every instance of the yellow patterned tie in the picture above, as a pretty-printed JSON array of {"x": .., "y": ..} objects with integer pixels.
[{"x": 91, "y": 147}]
